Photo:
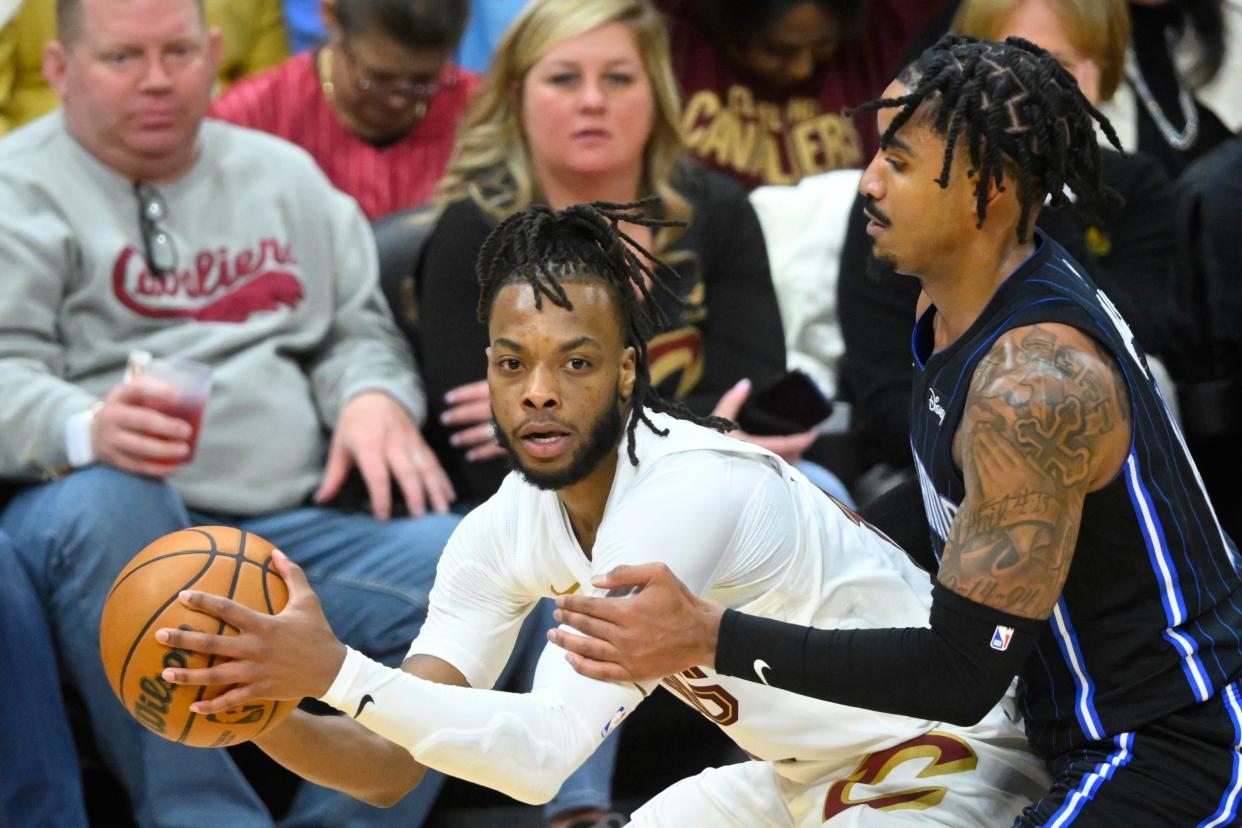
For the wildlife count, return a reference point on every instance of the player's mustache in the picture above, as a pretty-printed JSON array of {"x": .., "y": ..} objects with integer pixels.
[{"x": 870, "y": 208}]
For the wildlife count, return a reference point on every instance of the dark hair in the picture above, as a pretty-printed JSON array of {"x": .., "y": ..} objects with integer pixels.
[
  {"x": 69, "y": 19},
  {"x": 738, "y": 22},
  {"x": 416, "y": 24},
  {"x": 1016, "y": 105},
  {"x": 545, "y": 249}
]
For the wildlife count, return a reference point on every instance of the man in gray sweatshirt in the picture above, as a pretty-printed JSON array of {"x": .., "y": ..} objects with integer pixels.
[{"x": 128, "y": 222}]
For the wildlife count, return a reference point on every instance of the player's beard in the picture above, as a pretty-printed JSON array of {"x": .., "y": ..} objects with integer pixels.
[{"x": 602, "y": 438}]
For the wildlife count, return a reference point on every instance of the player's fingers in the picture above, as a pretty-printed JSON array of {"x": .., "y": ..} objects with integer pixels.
[
  {"x": 334, "y": 473},
  {"x": 602, "y": 608},
  {"x": 602, "y": 670},
  {"x": 628, "y": 575},
  {"x": 230, "y": 612},
  {"x": 225, "y": 673},
  {"x": 583, "y": 645},
  {"x": 586, "y": 624},
  {"x": 234, "y": 697},
  {"x": 731, "y": 402},
  {"x": 198, "y": 642},
  {"x": 293, "y": 576}
]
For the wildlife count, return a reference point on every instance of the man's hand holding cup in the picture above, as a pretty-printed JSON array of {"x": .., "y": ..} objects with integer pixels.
[{"x": 149, "y": 423}]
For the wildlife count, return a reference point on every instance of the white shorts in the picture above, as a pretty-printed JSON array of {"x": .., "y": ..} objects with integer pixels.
[{"x": 938, "y": 778}]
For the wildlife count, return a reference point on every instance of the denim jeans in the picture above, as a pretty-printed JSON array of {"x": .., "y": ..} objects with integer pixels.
[
  {"x": 41, "y": 783},
  {"x": 75, "y": 534}
]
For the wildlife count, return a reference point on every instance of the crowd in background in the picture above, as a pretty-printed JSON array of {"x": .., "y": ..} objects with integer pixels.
[{"x": 438, "y": 118}]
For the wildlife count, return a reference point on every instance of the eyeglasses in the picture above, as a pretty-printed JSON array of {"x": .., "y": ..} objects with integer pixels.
[
  {"x": 157, "y": 244},
  {"x": 375, "y": 82}
]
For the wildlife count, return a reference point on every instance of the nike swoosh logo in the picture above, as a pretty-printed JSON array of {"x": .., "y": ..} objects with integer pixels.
[
  {"x": 760, "y": 666},
  {"x": 569, "y": 591},
  {"x": 365, "y": 701}
]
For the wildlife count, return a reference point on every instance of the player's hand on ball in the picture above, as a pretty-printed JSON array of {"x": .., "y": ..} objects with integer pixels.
[
  {"x": 660, "y": 630},
  {"x": 291, "y": 655}
]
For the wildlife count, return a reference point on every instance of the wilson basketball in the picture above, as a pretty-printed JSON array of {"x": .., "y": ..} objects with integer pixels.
[{"x": 216, "y": 559}]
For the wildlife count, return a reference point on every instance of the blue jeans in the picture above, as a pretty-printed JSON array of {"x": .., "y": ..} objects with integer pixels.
[
  {"x": 41, "y": 784},
  {"x": 75, "y": 534}
]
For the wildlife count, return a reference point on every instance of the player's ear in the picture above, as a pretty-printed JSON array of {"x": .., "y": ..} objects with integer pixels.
[{"x": 629, "y": 373}]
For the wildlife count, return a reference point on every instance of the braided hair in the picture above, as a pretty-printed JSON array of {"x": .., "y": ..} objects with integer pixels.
[
  {"x": 1015, "y": 104},
  {"x": 545, "y": 249}
]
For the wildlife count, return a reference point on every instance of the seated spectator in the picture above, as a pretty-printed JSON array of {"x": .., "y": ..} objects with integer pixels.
[
  {"x": 377, "y": 106},
  {"x": 765, "y": 84},
  {"x": 134, "y": 224},
  {"x": 596, "y": 120},
  {"x": 41, "y": 783},
  {"x": 253, "y": 37},
  {"x": 1129, "y": 250},
  {"x": 1176, "y": 48},
  {"x": 1210, "y": 214}
]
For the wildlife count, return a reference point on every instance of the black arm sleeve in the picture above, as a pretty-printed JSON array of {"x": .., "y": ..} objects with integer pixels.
[{"x": 954, "y": 671}]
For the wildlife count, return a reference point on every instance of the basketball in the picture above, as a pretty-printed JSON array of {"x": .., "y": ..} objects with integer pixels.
[{"x": 144, "y": 598}]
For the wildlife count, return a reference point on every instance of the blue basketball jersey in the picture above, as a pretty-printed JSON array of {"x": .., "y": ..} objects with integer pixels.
[{"x": 1150, "y": 618}]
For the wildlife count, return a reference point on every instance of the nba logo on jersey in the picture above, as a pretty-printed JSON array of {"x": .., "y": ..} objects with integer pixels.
[{"x": 1000, "y": 638}]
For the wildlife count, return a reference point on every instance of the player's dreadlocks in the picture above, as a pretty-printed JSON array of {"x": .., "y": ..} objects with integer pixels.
[
  {"x": 1016, "y": 104},
  {"x": 545, "y": 248}
]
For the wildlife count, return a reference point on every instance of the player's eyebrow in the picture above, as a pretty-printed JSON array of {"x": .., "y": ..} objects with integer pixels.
[
  {"x": 578, "y": 342},
  {"x": 896, "y": 143},
  {"x": 505, "y": 342}
]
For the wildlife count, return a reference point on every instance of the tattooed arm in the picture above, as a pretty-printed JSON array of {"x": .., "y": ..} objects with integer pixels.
[{"x": 1047, "y": 420}]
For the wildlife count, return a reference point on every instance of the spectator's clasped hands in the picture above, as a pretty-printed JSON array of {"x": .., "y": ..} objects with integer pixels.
[
  {"x": 128, "y": 433},
  {"x": 377, "y": 435},
  {"x": 470, "y": 413},
  {"x": 789, "y": 447}
]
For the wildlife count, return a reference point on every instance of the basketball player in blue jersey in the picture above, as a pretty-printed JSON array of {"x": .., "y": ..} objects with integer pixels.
[{"x": 1076, "y": 546}]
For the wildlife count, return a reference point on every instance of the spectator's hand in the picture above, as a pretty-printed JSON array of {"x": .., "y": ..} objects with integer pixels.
[
  {"x": 291, "y": 655},
  {"x": 470, "y": 413},
  {"x": 128, "y": 434},
  {"x": 376, "y": 434},
  {"x": 662, "y": 629},
  {"x": 788, "y": 447}
]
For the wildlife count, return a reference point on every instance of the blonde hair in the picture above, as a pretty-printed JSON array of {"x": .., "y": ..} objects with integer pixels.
[
  {"x": 1099, "y": 29},
  {"x": 491, "y": 162}
]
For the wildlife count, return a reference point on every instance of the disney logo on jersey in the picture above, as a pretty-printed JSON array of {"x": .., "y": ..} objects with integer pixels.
[
  {"x": 933, "y": 404},
  {"x": 213, "y": 285}
]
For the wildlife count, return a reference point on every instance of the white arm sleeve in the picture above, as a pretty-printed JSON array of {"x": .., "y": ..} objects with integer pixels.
[{"x": 521, "y": 744}]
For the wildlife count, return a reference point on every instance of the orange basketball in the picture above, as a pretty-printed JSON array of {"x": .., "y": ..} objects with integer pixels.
[{"x": 215, "y": 559}]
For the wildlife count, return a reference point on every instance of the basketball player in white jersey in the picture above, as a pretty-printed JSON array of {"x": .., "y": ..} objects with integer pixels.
[{"x": 608, "y": 474}]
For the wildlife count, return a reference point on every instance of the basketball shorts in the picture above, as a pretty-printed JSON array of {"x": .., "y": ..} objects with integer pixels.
[
  {"x": 939, "y": 778},
  {"x": 1182, "y": 770}
]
